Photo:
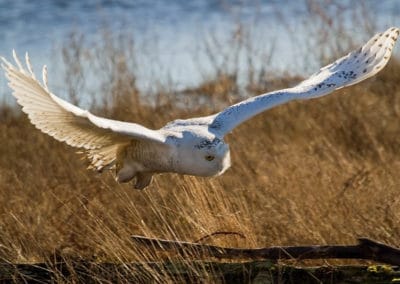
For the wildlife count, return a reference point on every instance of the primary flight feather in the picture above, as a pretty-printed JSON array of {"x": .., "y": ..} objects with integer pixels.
[{"x": 192, "y": 146}]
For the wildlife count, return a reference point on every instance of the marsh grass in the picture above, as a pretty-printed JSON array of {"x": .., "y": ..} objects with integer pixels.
[{"x": 312, "y": 172}]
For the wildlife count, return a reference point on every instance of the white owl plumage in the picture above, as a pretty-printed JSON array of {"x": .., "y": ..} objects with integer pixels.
[{"x": 192, "y": 146}]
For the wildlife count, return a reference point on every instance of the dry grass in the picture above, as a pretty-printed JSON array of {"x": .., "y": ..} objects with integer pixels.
[{"x": 312, "y": 172}]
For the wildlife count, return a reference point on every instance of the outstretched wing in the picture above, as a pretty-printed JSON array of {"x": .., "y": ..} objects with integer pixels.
[
  {"x": 65, "y": 122},
  {"x": 348, "y": 70}
]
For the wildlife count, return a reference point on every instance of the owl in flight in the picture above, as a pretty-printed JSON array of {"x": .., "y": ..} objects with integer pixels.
[{"x": 192, "y": 146}]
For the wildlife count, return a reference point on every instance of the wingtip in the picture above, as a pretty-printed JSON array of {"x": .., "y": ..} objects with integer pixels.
[
  {"x": 381, "y": 47},
  {"x": 29, "y": 65},
  {"x": 5, "y": 64},
  {"x": 394, "y": 30},
  {"x": 44, "y": 77},
  {"x": 16, "y": 59},
  {"x": 392, "y": 33}
]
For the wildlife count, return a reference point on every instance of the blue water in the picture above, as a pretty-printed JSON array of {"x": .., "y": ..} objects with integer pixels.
[{"x": 173, "y": 32}]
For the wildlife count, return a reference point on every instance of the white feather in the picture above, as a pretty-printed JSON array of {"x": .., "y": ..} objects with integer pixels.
[
  {"x": 66, "y": 122},
  {"x": 348, "y": 70},
  {"x": 40, "y": 105}
]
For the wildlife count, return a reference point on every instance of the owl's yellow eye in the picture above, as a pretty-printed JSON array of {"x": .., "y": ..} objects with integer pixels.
[{"x": 209, "y": 157}]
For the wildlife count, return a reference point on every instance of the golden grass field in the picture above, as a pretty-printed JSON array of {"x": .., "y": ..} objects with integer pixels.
[{"x": 322, "y": 171}]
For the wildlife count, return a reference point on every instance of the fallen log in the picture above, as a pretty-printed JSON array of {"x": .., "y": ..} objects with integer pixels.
[
  {"x": 188, "y": 269},
  {"x": 365, "y": 249},
  {"x": 193, "y": 271}
]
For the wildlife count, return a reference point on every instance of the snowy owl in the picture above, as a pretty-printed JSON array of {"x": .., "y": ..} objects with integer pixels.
[{"x": 192, "y": 146}]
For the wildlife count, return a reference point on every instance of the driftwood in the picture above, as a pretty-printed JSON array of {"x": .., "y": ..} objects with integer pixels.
[
  {"x": 188, "y": 269},
  {"x": 365, "y": 249},
  {"x": 193, "y": 272}
]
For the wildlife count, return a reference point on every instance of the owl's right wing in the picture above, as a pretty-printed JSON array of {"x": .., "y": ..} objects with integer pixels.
[
  {"x": 100, "y": 137},
  {"x": 346, "y": 71}
]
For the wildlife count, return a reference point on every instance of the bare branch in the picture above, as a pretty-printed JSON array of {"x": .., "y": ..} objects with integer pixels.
[{"x": 365, "y": 249}]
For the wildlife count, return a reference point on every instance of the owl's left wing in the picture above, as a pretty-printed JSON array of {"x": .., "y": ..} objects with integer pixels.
[
  {"x": 348, "y": 70},
  {"x": 98, "y": 136}
]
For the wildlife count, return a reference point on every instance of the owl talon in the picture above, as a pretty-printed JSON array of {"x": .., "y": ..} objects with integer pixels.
[{"x": 143, "y": 180}]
